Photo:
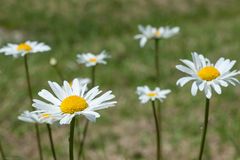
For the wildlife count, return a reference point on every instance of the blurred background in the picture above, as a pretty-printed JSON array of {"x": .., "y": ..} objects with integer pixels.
[{"x": 210, "y": 27}]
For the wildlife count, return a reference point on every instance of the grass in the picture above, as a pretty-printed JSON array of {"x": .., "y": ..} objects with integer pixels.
[{"x": 125, "y": 132}]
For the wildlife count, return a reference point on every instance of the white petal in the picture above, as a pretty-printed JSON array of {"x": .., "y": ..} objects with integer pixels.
[
  {"x": 217, "y": 88},
  {"x": 201, "y": 85},
  {"x": 76, "y": 87},
  {"x": 194, "y": 88},
  {"x": 143, "y": 41},
  {"x": 189, "y": 64},
  {"x": 184, "y": 69},
  {"x": 223, "y": 83},
  {"x": 90, "y": 115},
  {"x": 58, "y": 91},
  {"x": 66, "y": 119},
  {"x": 49, "y": 97},
  {"x": 184, "y": 80},
  {"x": 67, "y": 88},
  {"x": 208, "y": 91},
  {"x": 83, "y": 90}
]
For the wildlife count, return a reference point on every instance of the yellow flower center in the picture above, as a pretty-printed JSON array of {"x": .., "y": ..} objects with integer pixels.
[
  {"x": 152, "y": 94},
  {"x": 24, "y": 47},
  {"x": 45, "y": 115},
  {"x": 73, "y": 104},
  {"x": 208, "y": 73},
  {"x": 157, "y": 33},
  {"x": 93, "y": 60}
]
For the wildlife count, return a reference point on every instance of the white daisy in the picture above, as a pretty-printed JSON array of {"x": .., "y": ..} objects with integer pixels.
[
  {"x": 90, "y": 59},
  {"x": 150, "y": 32},
  {"x": 206, "y": 75},
  {"x": 145, "y": 94},
  {"x": 37, "y": 117},
  {"x": 72, "y": 100},
  {"x": 24, "y": 48}
]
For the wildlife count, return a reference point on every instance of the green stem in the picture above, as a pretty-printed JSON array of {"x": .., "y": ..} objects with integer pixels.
[
  {"x": 83, "y": 140},
  {"x": 81, "y": 149},
  {"x": 59, "y": 73},
  {"x": 39, "y": 141},
  {"x": 93, "y": 75},
  {"x": 71, "y": 138},
  {"x": 157, "y": 131},
  {"x": 28, "y": 78},
  {"x": 157, "y": 68},
  {"x": 2, "y": 152},
  {"x": 30, "y": 98},
  {"x": 78, "y": 128},
  {"x": 204, "y": 129},
  {"x": 157, "y": 60},
  {"x": 51, "y": 141}
]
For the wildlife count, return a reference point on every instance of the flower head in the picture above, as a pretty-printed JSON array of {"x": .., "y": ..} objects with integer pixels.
[
  {"x": 72, "y": 100},
  {"x": 149, "y": 32},
  {"x": 207, "y": 76},
  {"x": 90, "y": 59},
  {"x": 145, "y": 94},
  {"x": 22, "y": 49},
  {"x": 37, "y": 117}
]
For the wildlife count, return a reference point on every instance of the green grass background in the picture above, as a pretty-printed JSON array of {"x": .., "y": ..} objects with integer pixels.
[{"x": 210, "y": 27}]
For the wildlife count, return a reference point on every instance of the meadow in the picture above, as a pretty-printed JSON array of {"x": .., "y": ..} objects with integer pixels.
[{"x": 125, "y": 132}]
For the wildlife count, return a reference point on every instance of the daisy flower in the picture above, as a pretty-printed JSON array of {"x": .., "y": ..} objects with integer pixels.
[
  {"x": 207, "y": 76},
  {"x": 37, "y": 117},
  {"x": 90, "y": 59},
  {"x": 145, "y": 94},
  {"x": 24, "y": 48},
  {"x": 149, "y": 32},
  {"x": 72, "y": 100}
]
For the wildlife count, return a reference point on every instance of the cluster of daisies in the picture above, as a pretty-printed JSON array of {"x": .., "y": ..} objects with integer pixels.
[
  {"x": 153, "y": 33},
  {"x": 66, "y": 100},
  {"x": 205, "y": 75}
]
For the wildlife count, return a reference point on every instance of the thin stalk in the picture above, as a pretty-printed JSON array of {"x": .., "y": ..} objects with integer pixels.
[
  {"x": 51, "y": 141},
  {"x": 78, "y": 128},
  {"x": 80, "y": 153},
  {"x": 205, "y": 128},
  {"x": 28, "y": 78},
  {"x": 71, "y": 138},
  {"x": 81, "y": 149},
  {"x": 157, "y": 65},
  {"x": 30, "y": 98},
  {"x": 38, "y": 141},
  {"x": 158, "y": 157},
  {"x": 157, "y": 68},
  {"x": 93, "y": 75},
  {"x": 2, "y": 152},
  {"x": 59, "y": 73}
]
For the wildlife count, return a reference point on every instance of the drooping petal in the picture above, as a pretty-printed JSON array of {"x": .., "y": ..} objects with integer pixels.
[{"x": 194, "y": 88}]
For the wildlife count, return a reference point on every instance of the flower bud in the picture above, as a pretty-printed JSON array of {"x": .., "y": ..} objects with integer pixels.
[{"x": 53, "y": 61}]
